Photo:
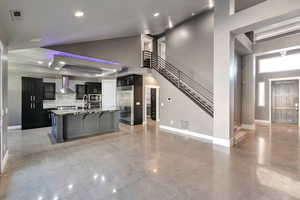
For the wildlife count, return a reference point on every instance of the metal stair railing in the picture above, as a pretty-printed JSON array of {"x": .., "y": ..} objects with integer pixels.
[{"x": 191, "y": 88}]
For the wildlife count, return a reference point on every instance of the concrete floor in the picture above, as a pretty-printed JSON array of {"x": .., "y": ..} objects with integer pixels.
[{"x": 143, "y": 163}]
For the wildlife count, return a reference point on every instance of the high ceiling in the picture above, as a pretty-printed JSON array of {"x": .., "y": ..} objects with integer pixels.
[
  {"x": 53, "y": 21},
  {"x": 45, "y": 61}
]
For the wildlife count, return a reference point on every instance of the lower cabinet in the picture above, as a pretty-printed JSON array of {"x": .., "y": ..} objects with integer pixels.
[{"x": 46, "y": 117}]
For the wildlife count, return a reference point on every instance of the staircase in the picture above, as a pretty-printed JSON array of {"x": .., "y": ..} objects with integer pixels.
[{"x": 191, "y": 88}]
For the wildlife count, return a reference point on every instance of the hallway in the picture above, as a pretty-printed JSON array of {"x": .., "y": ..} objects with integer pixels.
[{"x": 143, "y": 162}]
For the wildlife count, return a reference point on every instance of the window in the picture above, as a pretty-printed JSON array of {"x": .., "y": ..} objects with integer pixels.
[
  {"x": 281, "y": 63},
  {"x": 261, "y": 94}
]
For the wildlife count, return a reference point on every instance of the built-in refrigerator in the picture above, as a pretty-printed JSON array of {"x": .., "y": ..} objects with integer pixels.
[{"x": 130, "y": 99}]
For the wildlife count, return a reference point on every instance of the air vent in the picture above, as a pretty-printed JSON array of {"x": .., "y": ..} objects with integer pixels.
[{"x": 15, "y": 15}]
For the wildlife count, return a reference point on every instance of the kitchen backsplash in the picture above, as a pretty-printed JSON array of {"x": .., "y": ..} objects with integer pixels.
[{"x": 62, "y": 100}]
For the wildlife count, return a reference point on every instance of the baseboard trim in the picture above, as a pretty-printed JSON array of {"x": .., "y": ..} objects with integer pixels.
[
  {"x": 18, "y": 127},
  {"x": 248, "y": 126},
  {"x": 4, "y": 162},
  {"x": 214, "y": 140},
  {"x": 262, "y": 121}
]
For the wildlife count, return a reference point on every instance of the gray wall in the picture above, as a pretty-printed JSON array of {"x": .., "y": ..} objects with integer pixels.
[
  {"x": 289, "y": 41},
  {"x": 248, "y": 90},
  {"x": 244, "y": 4},
  {"x": 181, "y": 109},
  {"x": 237, "y": 89},
  {"x": 126, "y": 51},
  {"x": 190, "y": 48},
  {"x": 15, "y": 95}
]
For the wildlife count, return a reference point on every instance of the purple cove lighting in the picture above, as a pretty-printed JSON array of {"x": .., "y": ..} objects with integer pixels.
[{"x": 85, "y": 58}]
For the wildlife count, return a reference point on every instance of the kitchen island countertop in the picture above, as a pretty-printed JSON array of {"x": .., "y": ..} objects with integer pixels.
[{"x": 85, "y": 111}]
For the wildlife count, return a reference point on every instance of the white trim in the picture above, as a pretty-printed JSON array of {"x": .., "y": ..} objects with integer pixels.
[
  {"x": 248, "y": 126},
  {"x": 152, "y": 86},
  {"x": 223, "y": 142},
  {"x": 262, "y": 121},
  {"x": 4, "y": 161},
  {"x": 214, "y": 140},
  {"x": 18, "y": 127}
]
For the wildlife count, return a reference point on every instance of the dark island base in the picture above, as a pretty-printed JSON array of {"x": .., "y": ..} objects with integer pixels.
[{"x": 70, "y": 126}]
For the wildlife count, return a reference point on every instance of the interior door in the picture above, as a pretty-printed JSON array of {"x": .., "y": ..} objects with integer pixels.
[
  {"x": 285, "y": 98},
  {"x": 153, "y": 103}
]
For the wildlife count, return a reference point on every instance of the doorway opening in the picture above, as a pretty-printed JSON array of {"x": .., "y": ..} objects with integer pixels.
[
  {"x": 146, "y": 45},
  {"x": 151, "y": 103},
  {"x": 151, "y": 111},
  {"x": 284, "y": 101},
  {"x": 162, "y": 47}
]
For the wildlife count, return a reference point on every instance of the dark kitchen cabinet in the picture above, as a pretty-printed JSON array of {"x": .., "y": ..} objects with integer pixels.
[
  {"x": 46, "y": 117},
  {"x": 80, "y": 91},
  {"x": 32, "y": 102},
  {"x": 93, "y": 88},
  {"x": 49, "y": 91}
]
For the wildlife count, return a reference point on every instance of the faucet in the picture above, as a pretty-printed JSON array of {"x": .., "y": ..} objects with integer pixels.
[{"x": 84, "y": 101}]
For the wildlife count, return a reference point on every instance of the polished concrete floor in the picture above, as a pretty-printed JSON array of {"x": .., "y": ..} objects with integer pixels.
[{"x": 144, "y": 163}]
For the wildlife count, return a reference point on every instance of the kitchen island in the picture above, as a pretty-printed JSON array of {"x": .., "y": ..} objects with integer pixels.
[{"x": 71, "y": 124}]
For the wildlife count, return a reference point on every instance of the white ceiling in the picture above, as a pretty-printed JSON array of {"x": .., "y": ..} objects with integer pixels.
[
  {"x": 37, "y": 60},
  {"x": 53, "y": 20}
]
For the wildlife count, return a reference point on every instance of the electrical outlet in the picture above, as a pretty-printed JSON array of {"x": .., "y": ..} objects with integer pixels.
[
  {"x": 162, "y": 104},
  {"x": 171, "y": 122}
]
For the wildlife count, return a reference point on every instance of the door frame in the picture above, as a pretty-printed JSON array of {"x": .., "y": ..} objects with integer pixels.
[
  {"x": 162, "y": 40},
  {"x": 157, "y": 102},
  {"x": 143, "y": 38},
  {"x": 270, "y": 95}
]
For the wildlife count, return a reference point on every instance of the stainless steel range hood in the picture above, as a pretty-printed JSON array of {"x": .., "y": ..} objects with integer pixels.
[{"x": 65, "y": 86}]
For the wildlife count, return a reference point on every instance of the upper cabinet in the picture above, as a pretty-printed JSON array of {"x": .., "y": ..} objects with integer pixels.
[
  {"x": 93, "y": 88},
  {"x": 125, "y": 80},
  {"x": 80, "y": 91},
  {"x": 49, "y": 91}
]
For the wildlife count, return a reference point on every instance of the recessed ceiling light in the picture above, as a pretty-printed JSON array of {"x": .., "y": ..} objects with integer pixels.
[
  {"x": 283, "y": 53},
  {"x": 79, "y": 13},
  {"x": 62, "y": 62},
  {"x": 146, "y": 31},
  {"x": 156, "y": 14},
  {"x": 193, "y": 14},
  {"x": 170, "y": 23},
  {"x": 57, "y": 68},
  {"x": 40, "y": 62},
  {"x": 211, "y": 4},
  {"x": 70, "y": 187}
]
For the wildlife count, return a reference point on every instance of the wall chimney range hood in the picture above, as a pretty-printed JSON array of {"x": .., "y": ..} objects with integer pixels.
[{"x": 65, "y": 86}]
